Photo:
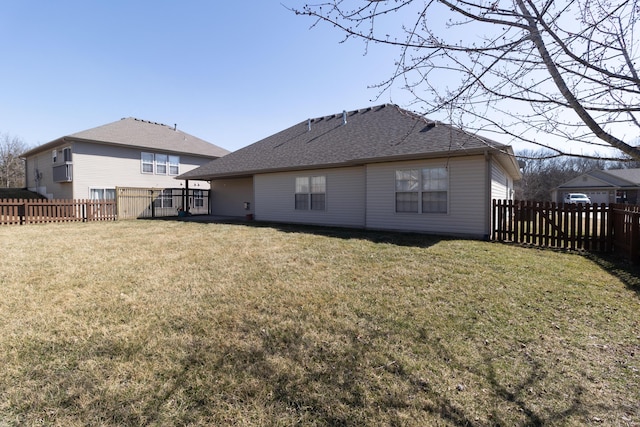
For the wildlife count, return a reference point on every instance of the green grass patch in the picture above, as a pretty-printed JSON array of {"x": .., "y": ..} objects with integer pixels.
[{"x": 176, "y": 323}]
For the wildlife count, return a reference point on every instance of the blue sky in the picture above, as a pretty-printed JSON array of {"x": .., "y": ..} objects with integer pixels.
[{"x": 228, "y": 72}]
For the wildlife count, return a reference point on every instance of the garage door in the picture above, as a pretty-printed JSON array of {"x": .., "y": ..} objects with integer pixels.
[{"x": 598, "y": 196}]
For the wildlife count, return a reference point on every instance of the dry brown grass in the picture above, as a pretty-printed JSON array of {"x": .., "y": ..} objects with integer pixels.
[{"x": 171, "y": 323}]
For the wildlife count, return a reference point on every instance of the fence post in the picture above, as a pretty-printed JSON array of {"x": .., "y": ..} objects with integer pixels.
[
  {"x": 153, "y": 205},
  {"x": 634, "y": 231},
  {"x": 24, "y": 219}
]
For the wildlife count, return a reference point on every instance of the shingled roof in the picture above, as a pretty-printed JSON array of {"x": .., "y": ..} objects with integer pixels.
[
  {"x": 382, "y": 133},
  {"x": 610, "y": 178},
  {"x": 144, "y": 134}
]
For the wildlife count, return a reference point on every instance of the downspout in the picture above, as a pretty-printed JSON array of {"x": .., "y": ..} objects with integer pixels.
[{"x": 488, "y": 199}]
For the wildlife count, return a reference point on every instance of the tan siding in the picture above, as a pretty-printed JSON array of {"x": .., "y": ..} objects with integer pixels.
[
  {"x": 104, "y": 166},
  {"x": 229, "y": 195},
  {"x": 43, "y": 163},
  {"x": 345, "y": 198},
  {"x": 467, "y": 198}
]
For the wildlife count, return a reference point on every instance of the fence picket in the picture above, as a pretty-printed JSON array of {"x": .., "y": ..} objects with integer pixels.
[
  {"x": 591, "y": 227},
  {"x": 25, "y": 211}
]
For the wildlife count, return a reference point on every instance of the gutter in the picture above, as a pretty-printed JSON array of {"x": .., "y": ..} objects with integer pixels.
[{"x": 347, "y": 163}]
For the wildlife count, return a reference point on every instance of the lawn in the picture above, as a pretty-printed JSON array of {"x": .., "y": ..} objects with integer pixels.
[{"x": 176, "y": 323}]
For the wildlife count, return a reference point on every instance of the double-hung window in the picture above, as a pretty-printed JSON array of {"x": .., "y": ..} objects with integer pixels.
[
  {"x": 407, "y": 185},
  {"x": 161, "y": 164},
  {"x": 435, "y": 185},
  {"x": 311, "y": 193},
  {"x": 174, "y": 165},
  {"x": 147, "y": 162},
  {"x": 422, "y": 190},
  {"x": 198, "y": 198},
  {"x": 164, "y": 199}
]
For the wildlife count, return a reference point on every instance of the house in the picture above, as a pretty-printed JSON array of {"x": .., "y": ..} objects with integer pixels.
[
  {"x": 128, "y": 153},
  {"x": 377, "y": 168},
  {"x": 603, "y": 186}
]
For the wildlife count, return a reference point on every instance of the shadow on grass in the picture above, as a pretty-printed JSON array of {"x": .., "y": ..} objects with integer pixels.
[
  {"x": 398, "y": 238},
  {"x": 352, "y": 383},
  {"x": 620, "y": 267},
  {"x": 388, "y": 237}
]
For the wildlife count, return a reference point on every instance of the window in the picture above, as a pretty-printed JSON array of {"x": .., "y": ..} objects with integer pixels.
[
  {"x": 422, "y": 190},
  {"x": 147, "y": 162},
  {"x": 161, "y": 164},
  {"x": 302, "y": 193},
  {"x": 66, "y": 154},
  {"x": 407, "y": 190},
  {"x": 198, "y": 198},
  {"x": 310, "y": 193},
  {"x": 102, "y": 193},
  {"x": 435, "y": 183},
  {"x": 174, "y": 165},
  {"x": 318, "y": 185},
  {"x": 164, "y": 200}
]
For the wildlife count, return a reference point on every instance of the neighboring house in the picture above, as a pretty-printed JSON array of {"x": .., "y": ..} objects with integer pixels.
[
  {"x": 603, "y": 186},
  {"x": 126, "y": 153},
  {"x": 377, "y": 168}
]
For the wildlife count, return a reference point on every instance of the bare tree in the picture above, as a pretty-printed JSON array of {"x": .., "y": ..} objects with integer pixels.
[
  {"x": 11, "y": 165},
  {"x": 542, "y": 172},
  {"x": 556, "y": 74}
]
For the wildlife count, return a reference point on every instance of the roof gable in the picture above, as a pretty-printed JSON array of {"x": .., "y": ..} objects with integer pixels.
[
  {"x": 143, "y": 134},
  {"x": 589, "y": 179},
  {"x": 612, "y": 178},
  {"x": 375, "y": 134}
]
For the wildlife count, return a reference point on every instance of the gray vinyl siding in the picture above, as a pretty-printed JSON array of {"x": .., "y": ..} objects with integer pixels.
[
  {"x": 345, "y": 198},
  {"x": 42, "y": 163},
  {"x": 229, "y": 195},
  {"x": 501, "y": 183},
  {"x": 467, "y": 204}
]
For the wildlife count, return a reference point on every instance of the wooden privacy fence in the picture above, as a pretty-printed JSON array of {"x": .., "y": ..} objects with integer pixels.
[
  {"x": 596, "y": 227},
  {"x": 625, "y": 225},
  {"x": 157, "y": 202},
  {"x": 35, "y": 211}
]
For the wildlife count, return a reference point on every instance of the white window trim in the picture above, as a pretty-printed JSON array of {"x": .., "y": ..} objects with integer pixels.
[
  {"x": 310, "y": 194},
  {"x": 420, "y": 191},
  {"x": 153, "y": 162},
  {"x": 143, "y": 162},
  {"x": 104, "y": 190},
  {"x": 170, "y": 165}
]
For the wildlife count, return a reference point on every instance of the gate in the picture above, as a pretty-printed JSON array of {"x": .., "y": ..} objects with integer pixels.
[{"x": 160, "y": 202}]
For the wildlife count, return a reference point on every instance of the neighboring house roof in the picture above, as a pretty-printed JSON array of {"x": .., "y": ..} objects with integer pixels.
[
  {"x": 628, "y": 176},
  {"x": 613, "y": 178},
  {"x": 143, "y": 134},
  {"x": 375, "y": 134}
]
